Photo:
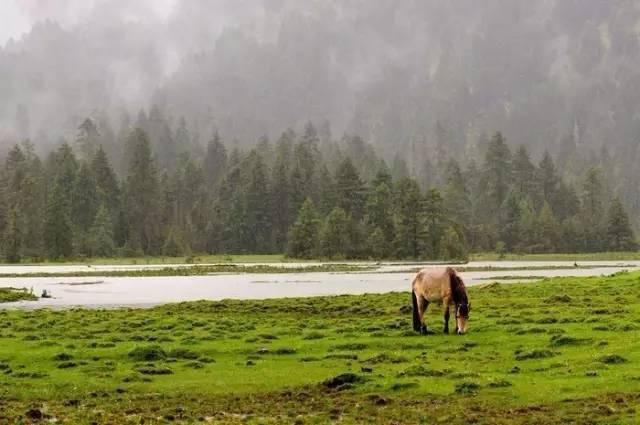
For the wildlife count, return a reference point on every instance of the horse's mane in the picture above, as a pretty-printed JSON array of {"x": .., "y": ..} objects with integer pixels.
[{"x": 458, "y": 290}]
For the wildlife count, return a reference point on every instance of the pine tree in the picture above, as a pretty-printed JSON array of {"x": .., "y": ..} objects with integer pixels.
[
  {"x": 280, "y": 211},
  {"x": 524, "y": 173},
  {"x": 58, "y": 232},
  {"x": 548, "y": 180},
  {"x": 142, "y": 196},
  {"x": 350, "y": 190},
  {"x": 377, "y": 245},
  {"x": 160, "y": 135},
  {"x": 108, "y": 193},
  {"x": 620, "y": 235},
  {"x": 510, "y": 233},
  {"x": 101, "y": 234},
  {"x": 215, "y": 161},
  {"x": 87, "y": 139},
  {"x": 408, "y": 219},
  {"x": 257, "y": 204},
  {"x": 383, "y": 175},
  {"x": 497, "y": 175},
  {"x": 173, "y": 245},
  {"x": 452, "y": 246},
  {"x": 380, "y": 214},
  {"x": 592, "y": 211},
  {"x": 456, "y": 197},
  {"x": 547, "y": 229},
  {"x": 13, "y": 236},
  {"x": 327, "y": 191},
  {"x": 84, "y": 205},
  {"x": 232, "y": 201},
  {"x": 303, "y": 237},
  {"x": 433, "y": 222},
  {"x": 334, "y": 241}
]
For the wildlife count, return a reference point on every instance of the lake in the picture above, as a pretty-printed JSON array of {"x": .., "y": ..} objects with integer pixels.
[{"x": 97, "y": 292}]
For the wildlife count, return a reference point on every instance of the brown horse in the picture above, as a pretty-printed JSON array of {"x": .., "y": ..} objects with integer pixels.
[{"x": 439, "y": 285}]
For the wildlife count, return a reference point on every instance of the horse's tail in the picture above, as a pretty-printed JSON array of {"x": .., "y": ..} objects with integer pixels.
[{"x": 416, "y": 315}]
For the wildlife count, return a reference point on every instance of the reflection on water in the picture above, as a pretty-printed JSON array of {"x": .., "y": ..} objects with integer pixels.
[{"x": 147, "y": 291}]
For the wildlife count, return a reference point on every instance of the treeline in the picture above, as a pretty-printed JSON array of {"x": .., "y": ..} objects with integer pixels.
[{"x": 302, "y": 195}]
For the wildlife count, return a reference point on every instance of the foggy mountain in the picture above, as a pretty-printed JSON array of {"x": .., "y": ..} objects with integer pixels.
[{"x": 541, "y": 72}]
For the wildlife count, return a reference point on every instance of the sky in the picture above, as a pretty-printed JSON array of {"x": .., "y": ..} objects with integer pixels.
[{"x": 18, "y": 16}]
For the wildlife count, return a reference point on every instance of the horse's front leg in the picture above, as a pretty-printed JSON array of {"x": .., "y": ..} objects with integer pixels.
[{"x": 446, "y": 317}]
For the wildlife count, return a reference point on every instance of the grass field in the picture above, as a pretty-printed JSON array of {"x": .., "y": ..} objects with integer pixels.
[{"x": 555, "y": 351}]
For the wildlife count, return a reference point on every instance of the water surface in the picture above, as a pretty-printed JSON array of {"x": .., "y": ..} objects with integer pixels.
[{"x": 149, "y": 291}]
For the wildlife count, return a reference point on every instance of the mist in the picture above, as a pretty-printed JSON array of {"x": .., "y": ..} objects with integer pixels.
[{"x": 538, "y": 71}]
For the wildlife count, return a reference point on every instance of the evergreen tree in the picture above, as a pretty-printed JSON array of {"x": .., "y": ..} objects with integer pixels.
[
  {"x": 84, "y": 206},
  {"x": 234, "y": 212},
  {"x": 408, "y": 219},
  {"x": 215, "y": 161},
  {"x": 13, "y": 236},
  {"x": 108, "y": 193},
  {"x": 592, "y": 211},
  {"x": 497, "y": 175},
  {"x": 378, "y": 244},
  {"x": 303, "y": 237},
  {"x": 350, "y": 191},
  {"x": 380, "y": 214},
  {"x": 334, "y": 241},
  {"x": 279, "y": 203},
  {"x": 456, "y": 197},
  {"x": 173, "y": 245},
  {"x": 510, "y": 233},
  {"x": 142, "y": 196},
  {"x": 58, "y": 233},
  {"x": 434, "y": 222},
  {"x": 257, "y": 204},
  {"x": 548, "y": 180},
  {"x": 547, "y": 229},
  {"x": 327, "y": 191},
  {"x": 383, "y": 175},
  {"x": 159, "y": 134},
  {"x": 452, "y": 246},
  {"x": 87, "y": 139},
  {"x": 620, "y": 235},
  {"x": 102, "y": 244},
  {"x": 524, "y": 173}
]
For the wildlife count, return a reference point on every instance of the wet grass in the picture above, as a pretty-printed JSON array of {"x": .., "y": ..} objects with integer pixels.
[
  {"x": 532, "y": 356},
  {"x": 15, "y": 294}
]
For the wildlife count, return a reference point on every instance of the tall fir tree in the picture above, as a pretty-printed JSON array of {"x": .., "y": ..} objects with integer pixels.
[
  {"x": 58, "y": 232},
  {"x": 303, "y": 237},
  {"x": 141, "y": 197},
  {"x": 620, "y": 236},
  {"x": 215, "y": 161},
  {"x": 408, "y": 219},
  {"x": 101, "y": 234},
  {"x": 334, "y": 238},
  {"x": 350, "y": 190}
]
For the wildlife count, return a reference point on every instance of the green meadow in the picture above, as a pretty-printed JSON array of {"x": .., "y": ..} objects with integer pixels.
[{"x": 564, "y": 350}]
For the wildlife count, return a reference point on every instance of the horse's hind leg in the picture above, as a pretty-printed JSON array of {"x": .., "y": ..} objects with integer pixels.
[{"x": 423, "y": 311}]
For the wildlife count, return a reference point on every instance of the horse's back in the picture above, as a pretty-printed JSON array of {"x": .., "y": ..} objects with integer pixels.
[{"x": 433, "y": 283}]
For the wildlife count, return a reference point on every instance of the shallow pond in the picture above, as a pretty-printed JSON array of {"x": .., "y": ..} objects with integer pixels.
[{"x": 149, "y": 291}]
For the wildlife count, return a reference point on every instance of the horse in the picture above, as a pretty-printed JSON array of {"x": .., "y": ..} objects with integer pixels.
[{"x": 439, "y": 285}]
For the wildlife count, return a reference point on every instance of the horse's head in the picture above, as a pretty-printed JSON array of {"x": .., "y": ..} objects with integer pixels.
[{"x": 462, "y": 317}]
